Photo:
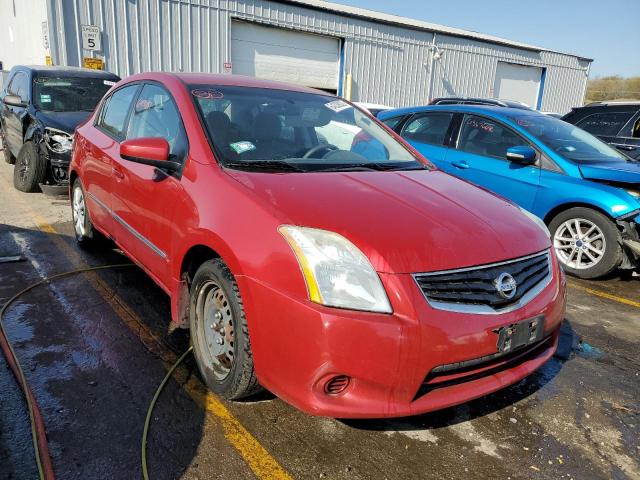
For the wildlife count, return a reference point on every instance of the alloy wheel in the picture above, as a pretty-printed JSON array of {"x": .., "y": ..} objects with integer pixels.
[
  {"x": 579, "y": 243},
  {"x": 24, "y": 167},
  {"x": 79, "y": 212},
  {"x": 216, "y": 323}
]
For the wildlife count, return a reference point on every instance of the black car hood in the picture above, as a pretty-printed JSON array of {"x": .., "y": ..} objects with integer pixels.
[
  {"x": 65, "y": 121},
  {"x": 619, "y": 172}
]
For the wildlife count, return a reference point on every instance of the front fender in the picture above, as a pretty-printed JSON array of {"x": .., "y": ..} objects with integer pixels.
[
  {"x": 557, "y": 191},
  {"x": 34, "y": 132}
]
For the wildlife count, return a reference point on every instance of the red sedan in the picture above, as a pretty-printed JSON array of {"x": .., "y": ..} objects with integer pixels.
[{"x": 311, "y": 251}]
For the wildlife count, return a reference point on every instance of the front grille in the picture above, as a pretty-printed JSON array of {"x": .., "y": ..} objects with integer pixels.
[{"x": 474, "y": 289}]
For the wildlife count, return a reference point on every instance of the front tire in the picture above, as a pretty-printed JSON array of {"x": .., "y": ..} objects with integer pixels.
[
  {"x": 30, "y": 170},
  {"x": 587, "y": 243},
  {"x": 219, "y": 332}
]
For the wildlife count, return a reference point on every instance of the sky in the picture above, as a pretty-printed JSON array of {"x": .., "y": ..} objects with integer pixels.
[{"x": 606, "y": 30}]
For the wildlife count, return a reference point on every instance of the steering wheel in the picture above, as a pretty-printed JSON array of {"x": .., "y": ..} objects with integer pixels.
[{"x": 319, "y": 148}]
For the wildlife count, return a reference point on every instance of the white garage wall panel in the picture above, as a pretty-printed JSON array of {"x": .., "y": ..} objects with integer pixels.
[
  {"x": 285, "y": 55},
  {"x": 518, "y": 82},
  {"x": 21, "y": 32},
  {"x": 388, "y": 57}
]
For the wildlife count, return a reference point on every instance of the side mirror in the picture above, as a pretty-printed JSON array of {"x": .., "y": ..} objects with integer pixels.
[
  {"x": 523, "y": 154},
  {"x": 14, "y": 101},
  {"x": 148, "y": 151}
]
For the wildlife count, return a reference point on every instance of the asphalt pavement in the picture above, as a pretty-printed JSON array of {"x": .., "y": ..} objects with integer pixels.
[{"x": 95, "y": 346}]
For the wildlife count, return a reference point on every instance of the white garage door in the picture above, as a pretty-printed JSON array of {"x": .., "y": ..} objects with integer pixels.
[
  {"x": 285, "y": 55},
  {"x": 518, "y": 82}
]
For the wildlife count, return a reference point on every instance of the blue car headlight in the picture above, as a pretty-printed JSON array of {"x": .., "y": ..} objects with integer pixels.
[{"x": 634, "y": 193}]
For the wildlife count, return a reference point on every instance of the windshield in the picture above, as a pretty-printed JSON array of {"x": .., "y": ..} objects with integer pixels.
[
  {"x": 571, "y": 142},
  {"x": 68, "y": 94},
  {"x": 255, "y": 128}
]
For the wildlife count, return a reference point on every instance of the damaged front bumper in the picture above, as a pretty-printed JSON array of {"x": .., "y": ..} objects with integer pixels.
[
  {"x": 630, "y": 231},
  {"x": 58, "y": 151}
]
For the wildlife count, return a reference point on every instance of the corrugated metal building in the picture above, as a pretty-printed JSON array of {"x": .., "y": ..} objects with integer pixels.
[{"x": 369, "y": 56}]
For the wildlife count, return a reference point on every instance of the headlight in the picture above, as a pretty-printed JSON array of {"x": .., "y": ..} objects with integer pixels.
[
  {"x": 58, "y": 141},
  {"x": 336, "y": 272},
  {"x": 634, "y": 193},
  {"x": 537, "y": 220}
]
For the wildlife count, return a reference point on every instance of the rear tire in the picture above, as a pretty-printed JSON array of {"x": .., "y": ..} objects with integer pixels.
[
  {"x": 6, "y": 153},
  {"x": 30, "y": 170},
  {"x": 587, "y": 243},
  {"x": 219, "y": 332},
  {"x": 83, "y": 228},
  {"x": 8, "y": 156}
]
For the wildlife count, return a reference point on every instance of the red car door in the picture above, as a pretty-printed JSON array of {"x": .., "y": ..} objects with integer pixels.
[
  {"x": 144, "y": 198},
  {"x": 98, "y": 147}
]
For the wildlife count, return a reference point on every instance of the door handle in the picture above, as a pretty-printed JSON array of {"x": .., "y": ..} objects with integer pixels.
[
  {"x": 460, "y": 164},
  {"x": 117, "y": 173}
]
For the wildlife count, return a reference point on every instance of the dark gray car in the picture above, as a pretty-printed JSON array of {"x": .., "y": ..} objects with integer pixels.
[
  {"x": 40, "y": 107},
  {"x": 615, "y": 122}
]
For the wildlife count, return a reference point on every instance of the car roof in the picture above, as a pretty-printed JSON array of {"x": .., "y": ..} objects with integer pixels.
[
  {"x": 612, "y": 103},
  {"x": 494, "y": 111},
  {"x": 480, "y": 101},
  {"x": 217, "y": 79},
  {"x": 69, "y": 71}
]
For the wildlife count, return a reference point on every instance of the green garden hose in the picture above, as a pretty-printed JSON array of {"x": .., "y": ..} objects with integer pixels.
[{"x": 143, "y": 449}]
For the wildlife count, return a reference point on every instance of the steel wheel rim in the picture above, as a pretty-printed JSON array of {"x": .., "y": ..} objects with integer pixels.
[
  {"x": 214, "y": 318},
  {"x": 24, "y": 166},
  {"x": 579, "y": 243},
  {"x": 79, "y": 212}
]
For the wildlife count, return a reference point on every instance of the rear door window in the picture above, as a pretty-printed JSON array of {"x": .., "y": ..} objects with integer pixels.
[
  {"x": 605, "y": 123},
  {"x": 392, "y": 123},
  {"x": 155, "y": 115},
  {"x": 635, "y": 130},
  {"x": 428, "y": 128},
  {"x": 485, "y": 137},
  {"x": 114, "y": 113}
]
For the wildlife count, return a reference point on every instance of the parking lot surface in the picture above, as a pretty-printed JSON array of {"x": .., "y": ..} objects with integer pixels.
[{"x": 95, "y": 346}]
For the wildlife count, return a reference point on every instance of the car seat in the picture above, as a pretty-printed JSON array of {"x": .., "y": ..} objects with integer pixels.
[
  {"x": 219, "y": 126},
  {"x": 267, "y": 132}
]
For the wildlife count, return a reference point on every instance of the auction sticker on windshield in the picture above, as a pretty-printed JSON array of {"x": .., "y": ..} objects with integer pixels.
[
  {"x": 242, "y": 147},
  {"x": 337, "y": 105}
]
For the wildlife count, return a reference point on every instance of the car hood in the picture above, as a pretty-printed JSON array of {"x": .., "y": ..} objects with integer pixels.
[
  {"x": 65, "y": 121},
  {"x": 622, "y": 172},
  {"x": 404, "y": 222}
]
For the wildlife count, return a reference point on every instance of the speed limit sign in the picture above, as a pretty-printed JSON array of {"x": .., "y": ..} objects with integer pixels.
[{"x": 90, "y": 38}]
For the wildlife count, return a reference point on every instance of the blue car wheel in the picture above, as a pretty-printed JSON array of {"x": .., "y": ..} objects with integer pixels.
[{"x": 587, "y": 243}]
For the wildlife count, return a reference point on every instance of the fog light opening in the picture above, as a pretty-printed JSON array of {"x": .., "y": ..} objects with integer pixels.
[{"x": 336, "y": 385}]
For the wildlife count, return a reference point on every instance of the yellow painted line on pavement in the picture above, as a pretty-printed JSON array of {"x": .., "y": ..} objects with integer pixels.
[
  {"x": 263, "y": 465},
  {"x": 608, "y": 296}
]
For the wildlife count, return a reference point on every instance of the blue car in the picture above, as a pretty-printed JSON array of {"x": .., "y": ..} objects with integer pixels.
[{"x": 587, "y": 193}]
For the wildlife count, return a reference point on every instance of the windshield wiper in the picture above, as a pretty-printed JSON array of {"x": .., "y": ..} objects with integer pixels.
[
  {"x": 348, "y": 168},
  {"x": 376, "y": 167},
  {"x": 269, "y": 165}
]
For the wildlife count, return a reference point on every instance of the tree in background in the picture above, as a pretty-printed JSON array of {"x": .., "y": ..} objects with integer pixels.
[{"x": 613, "y": 88}]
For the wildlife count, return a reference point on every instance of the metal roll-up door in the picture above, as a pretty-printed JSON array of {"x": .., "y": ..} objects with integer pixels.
[
  {"x": 285, "y": 55},
  {"x": 518, "y": 82}
]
